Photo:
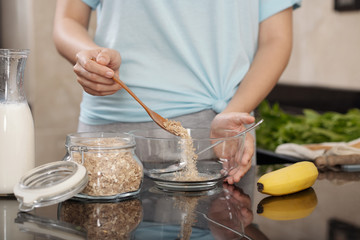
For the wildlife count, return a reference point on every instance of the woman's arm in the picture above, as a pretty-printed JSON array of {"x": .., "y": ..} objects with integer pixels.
[
  {"x": 94, "y": 66},
  {"x": 271, "y": 58},
  {"x": 70, "y": 32}
]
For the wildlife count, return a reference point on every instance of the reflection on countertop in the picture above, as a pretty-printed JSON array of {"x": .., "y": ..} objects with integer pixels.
[{"x": 326, "y": 211}]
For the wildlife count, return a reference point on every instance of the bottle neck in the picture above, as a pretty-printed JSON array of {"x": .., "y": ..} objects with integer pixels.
[{"x": 12, "y": 67}]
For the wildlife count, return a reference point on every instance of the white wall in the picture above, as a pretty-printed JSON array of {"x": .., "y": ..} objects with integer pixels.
[
  {"x": 326, "y": 48},
  {"x": 17, "y": 32}
]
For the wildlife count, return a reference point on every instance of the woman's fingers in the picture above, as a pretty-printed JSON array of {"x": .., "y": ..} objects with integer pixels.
[
  {"x": 95, "y": 69},
  {"x": 98, "y": 89},
  {"x": 91, "y": 76},
  {"x": 249, "y": 149},
  {"x": 87, "y": 63}
]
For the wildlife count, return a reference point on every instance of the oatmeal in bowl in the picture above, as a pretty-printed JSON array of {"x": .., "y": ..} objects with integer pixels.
[{"x": 174, "y": 162}]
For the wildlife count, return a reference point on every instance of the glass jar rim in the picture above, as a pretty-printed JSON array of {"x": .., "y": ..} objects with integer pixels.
[
  {"x": 79, "y": 139},
  {"x": 17, "y": 52},
  {"x": 151, "y": 134}
]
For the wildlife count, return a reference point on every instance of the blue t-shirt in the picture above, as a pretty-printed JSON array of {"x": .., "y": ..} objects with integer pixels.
[{"x": 178, "y": 56}]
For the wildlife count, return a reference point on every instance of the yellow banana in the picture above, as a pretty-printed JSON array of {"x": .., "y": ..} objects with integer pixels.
[
  {"x": 289, "y": 207},
  {"x": 287, "y": 180}
]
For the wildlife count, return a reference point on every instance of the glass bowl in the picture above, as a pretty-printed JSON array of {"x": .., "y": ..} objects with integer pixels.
[{"x": 194, "y": 164}]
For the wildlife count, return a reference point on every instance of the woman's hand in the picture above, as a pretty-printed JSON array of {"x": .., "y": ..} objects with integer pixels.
[
  {"x": 242, "y": 161},
  {"x": 94, "y": 66},
  {"x": 95, "y": 69}
]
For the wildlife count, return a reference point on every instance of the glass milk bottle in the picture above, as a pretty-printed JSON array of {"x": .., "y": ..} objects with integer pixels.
[{"x": 17, "y": 143}]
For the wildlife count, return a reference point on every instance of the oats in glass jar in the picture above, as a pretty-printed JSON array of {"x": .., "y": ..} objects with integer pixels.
[{"x": 112, "y": 166}]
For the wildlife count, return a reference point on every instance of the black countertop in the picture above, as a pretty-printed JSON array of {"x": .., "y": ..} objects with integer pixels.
[{"x": 329, "y": 210}]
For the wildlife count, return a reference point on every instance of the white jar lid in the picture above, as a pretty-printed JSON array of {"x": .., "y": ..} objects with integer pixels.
[{"x": 50, "y": 184}]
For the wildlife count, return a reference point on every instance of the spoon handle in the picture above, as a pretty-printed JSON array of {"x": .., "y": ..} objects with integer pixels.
[{"x": 123, "y": 85}]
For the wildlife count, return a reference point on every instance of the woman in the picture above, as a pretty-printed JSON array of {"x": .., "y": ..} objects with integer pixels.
[{"x": 203, "y": 62}]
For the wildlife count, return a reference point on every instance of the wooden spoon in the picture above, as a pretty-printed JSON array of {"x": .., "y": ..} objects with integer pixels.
[{"x": 159, "y": 120}]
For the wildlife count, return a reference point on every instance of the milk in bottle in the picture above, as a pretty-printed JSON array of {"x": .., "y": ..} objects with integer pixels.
[{"x": 17, "y": 147}]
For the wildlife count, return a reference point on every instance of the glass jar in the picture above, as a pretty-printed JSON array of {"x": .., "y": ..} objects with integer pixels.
[
  {"x": 17, "y": 142},
  {"x": 114, "y": 170}
]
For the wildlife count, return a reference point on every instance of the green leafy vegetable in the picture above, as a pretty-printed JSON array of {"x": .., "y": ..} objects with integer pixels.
[{"x": 311, "y": 127}]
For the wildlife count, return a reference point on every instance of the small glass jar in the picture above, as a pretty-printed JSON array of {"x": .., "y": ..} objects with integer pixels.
[{"x": 114, "y": 170}]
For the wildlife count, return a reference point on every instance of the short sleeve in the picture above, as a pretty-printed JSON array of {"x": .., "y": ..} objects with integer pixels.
[
  {"x": 92, "y": 3},
  {"x": 268, "y": 8}
]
